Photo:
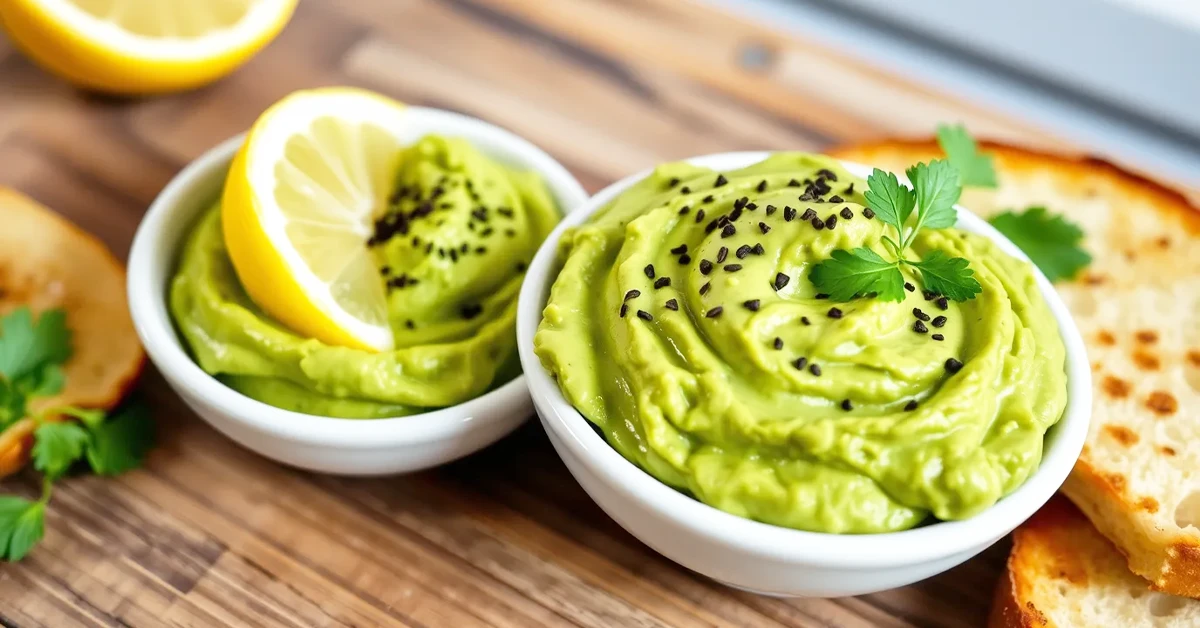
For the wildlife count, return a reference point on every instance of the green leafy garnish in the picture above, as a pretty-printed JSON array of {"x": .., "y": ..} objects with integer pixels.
[
  {"x": 31, "y": 356},
  {"x": 864, "y": 272},
  {"x": 975, "y": 169},
  {"x": 1049, "y": 240}
]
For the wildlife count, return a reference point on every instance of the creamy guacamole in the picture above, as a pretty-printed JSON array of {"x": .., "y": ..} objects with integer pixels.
[
  {"x": 700, "y": 349},
  {"x": 451, "y": 248}
]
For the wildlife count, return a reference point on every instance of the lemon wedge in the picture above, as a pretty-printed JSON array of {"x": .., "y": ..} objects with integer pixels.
[
  {"x": 142, "y": 46},
  {"x": 299, "y": 206}
]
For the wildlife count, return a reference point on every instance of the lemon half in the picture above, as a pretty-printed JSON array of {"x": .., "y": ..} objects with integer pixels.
[
  {"x": 299, "y": 206},
  {"x": 142, "y": 46}
]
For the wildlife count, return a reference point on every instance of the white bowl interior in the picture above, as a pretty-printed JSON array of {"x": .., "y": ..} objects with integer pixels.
[
  {"x": 945, "y": 538},
  {"x": 154, "y": 256}
]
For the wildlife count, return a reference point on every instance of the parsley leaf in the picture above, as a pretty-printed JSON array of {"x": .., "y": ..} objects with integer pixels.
[
  {"x": 948, "y": 276},
  {"x": 57, "y": 445},
  {"x": 1048, "y": 239},
  {"x": 892, "y": 202},
  {"x": 22, "y": 524},
  {"x": 28, "y": 346},
  {"x": 975, "y": 169},
  {"x": 120, "y": 443},
  {"x": 937, "y": 190},
  {"x": 847, "y": 274}
]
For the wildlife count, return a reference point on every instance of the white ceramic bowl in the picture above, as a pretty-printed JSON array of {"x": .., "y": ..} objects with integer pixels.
[
  {"x": 343, "y": 446},
  {"x": 768, "y": 559}
]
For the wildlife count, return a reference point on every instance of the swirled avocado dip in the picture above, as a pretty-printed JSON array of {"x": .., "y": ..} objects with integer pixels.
[
  {"x": 451, "y": 248},
  {"x": 684, "y": 326}
]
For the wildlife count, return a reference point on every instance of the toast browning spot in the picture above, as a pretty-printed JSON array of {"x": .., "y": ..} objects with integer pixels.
[
  {"x": 1122, "y": 434},
  {"x": 1115, "y": 387},
  {"x": 1147, "y": 336},
  {"x": 1146, "y": 361},
  {"x": 1106, "y": 338},
  {"x": 1162, "y": 403}
]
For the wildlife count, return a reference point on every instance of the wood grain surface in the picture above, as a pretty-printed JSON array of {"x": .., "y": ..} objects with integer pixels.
[{"x": 210, "y": 534}]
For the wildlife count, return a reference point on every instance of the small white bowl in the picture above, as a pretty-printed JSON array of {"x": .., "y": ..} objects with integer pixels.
[
  {"x": 332, "y": 445},
  {"x": 764, "y": 558}
]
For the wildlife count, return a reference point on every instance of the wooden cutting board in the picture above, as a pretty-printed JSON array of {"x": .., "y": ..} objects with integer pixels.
[{"x": 210, "y": 534}]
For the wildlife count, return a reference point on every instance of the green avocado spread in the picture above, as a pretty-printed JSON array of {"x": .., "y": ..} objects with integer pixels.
[
  {"x": 704, "y": 355},
  {"x": 451, "y": 247}
]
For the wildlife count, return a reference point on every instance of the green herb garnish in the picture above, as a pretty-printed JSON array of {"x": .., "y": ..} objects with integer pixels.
[
  {"x": 859, "y": 272},
  {"x": 31, "y": 357},
  {"x": 975, "y": 169},
  {"x": 1048, "y": 239}
]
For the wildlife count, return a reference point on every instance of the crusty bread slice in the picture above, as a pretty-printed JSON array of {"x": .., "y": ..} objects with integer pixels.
[
  {"x": 1138, "y": 306},
  {"x": 1062, "y": 573}
]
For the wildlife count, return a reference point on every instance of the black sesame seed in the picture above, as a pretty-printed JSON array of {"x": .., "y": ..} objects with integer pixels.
[
  {"x": 705, "y": 267},
  {"x": 909, "y": 287},
  {"x": 521, "y": 267},
  {"x": 920, "y": 315},
  {"x": 479, "y": 250},
  {"x": 705, "y": 288},
  {"x": 752, "y": 305},
  {"x": 644, "y": 315},
  {"x": 387, "y": 270},
  {"x": 732, "y": 268},
  {"x": 815, "y": 369},
  {"x": 700, "y": 216},
  {"x": 721, "y": 180},
  {"x": 428, "y": 247},
  {"x": 487, "y": 232},
  {"x": 778, "y": 343},
  {"x": 632, "y": 294},
  {"x": 624, "y": 310},
  {"x": 831, "y": 222},
  {"x": 713, "y": 224},
  {"x": 919, "y": 327},
  {"x": 789, "y": 213},
  {"x": 835, "y": 313},
  {"x": 649, "y": 270},
  {"x": 510, "y": 233},
  {"x": 728, "y": 231},
  {"x": 722, "y": 253},
  {"x": 846, "y": 405},
  {"x": 758, "y": 249},
  {"x": 453, "y": 255},
  {"x": 846, "y": 214},
  {"x": 942, "y": 303},
  {"x": 683, "y": 211},
  {"x": 743, "y": 251},
  {"x": 820, "y": 296},
  {"x": 818, "y": 224},
  {"x": 781, "y": 280},
  {"x": 804, "y": 320},
  {"x": 771, "y": 209},
  {"x": 708, "y": 199},
  {"x": 836, "y": 199},
  {"x": 938, "y": 337},
  {"x": 734, "y": 215},
  {"x": 808, "y": 214},
  {"x": 685, "y": 190},
  {"x": 479, "y": 214},
  {"x": 827, "y": 173},
  {"x": 685, "y": 259},
  {"x": 849, "y": 189},
  {"x": 471, "y": 311},
  {"x": 763, "y": 227},
  {"x": 939, "y": 321},
  {"x": 504, "y": 211},
  {"x": 409, "y": 324},
  {"x": 868, "y": 213},
  {"x": 671, "y": 304},
  {"x": 751, "y": 206},
  {"x": 464, "y": 248},
  {"x": 793, "y": 183},
  {"x": 953, "y": 365},
  {"x": 441, "y": 252},
  {"x": 715, "y": 312},
  {"x": 929, "y": 296},
  {"x": 741, "y": 202},
  {"x": 679, "y": 250},
  {"x": 673, "y": 182},
  {"x": 761, "y": 187},
  {"x": 662, "y": 282},
  {"x": 910, "y": 406},
  {"x": 800, "y": 363}
]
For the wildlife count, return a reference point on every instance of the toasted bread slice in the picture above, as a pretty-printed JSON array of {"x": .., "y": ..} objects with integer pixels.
[
  {"x": 47, "y": 262},
  {"x": 1138, "y": 307},
  {"x": 1062, "y": 573}
]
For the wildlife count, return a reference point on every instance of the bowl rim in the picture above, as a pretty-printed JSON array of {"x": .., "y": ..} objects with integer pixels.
[
  {"x": 147, "y": 288},
  {"x": 925, "y": 543}
]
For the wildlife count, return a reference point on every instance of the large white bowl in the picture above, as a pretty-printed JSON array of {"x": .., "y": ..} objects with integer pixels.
[
  {"x": 764, "y": 558},
  {"x": 343, "y": 446}
]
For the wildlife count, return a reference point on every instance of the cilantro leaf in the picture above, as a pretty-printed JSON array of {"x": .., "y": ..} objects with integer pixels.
[
  {"x": 90, "y": 417},
  {"x": 22, "y": 525},
  {"x": 937, "y": 190},
  {"x": 1048, "y": 239},
  {"x": 975, "y": 169},
  {"x": 948, "y": 276},
  {"x": 57, "y": 445},
  {"x": 847, "y": 274},
  {"x": 891, "y": 200},
  {"x": 26, "y": 346},
  {"x": 120, "y": 443}
]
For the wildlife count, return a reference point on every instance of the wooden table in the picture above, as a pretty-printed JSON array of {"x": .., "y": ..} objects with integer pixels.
[{"x": 210, "y": 534}]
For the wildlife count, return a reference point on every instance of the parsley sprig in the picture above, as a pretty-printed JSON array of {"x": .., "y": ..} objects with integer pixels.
[
  {"x": 928, "y": 204},
  {"x": 32, "y": 353}
]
